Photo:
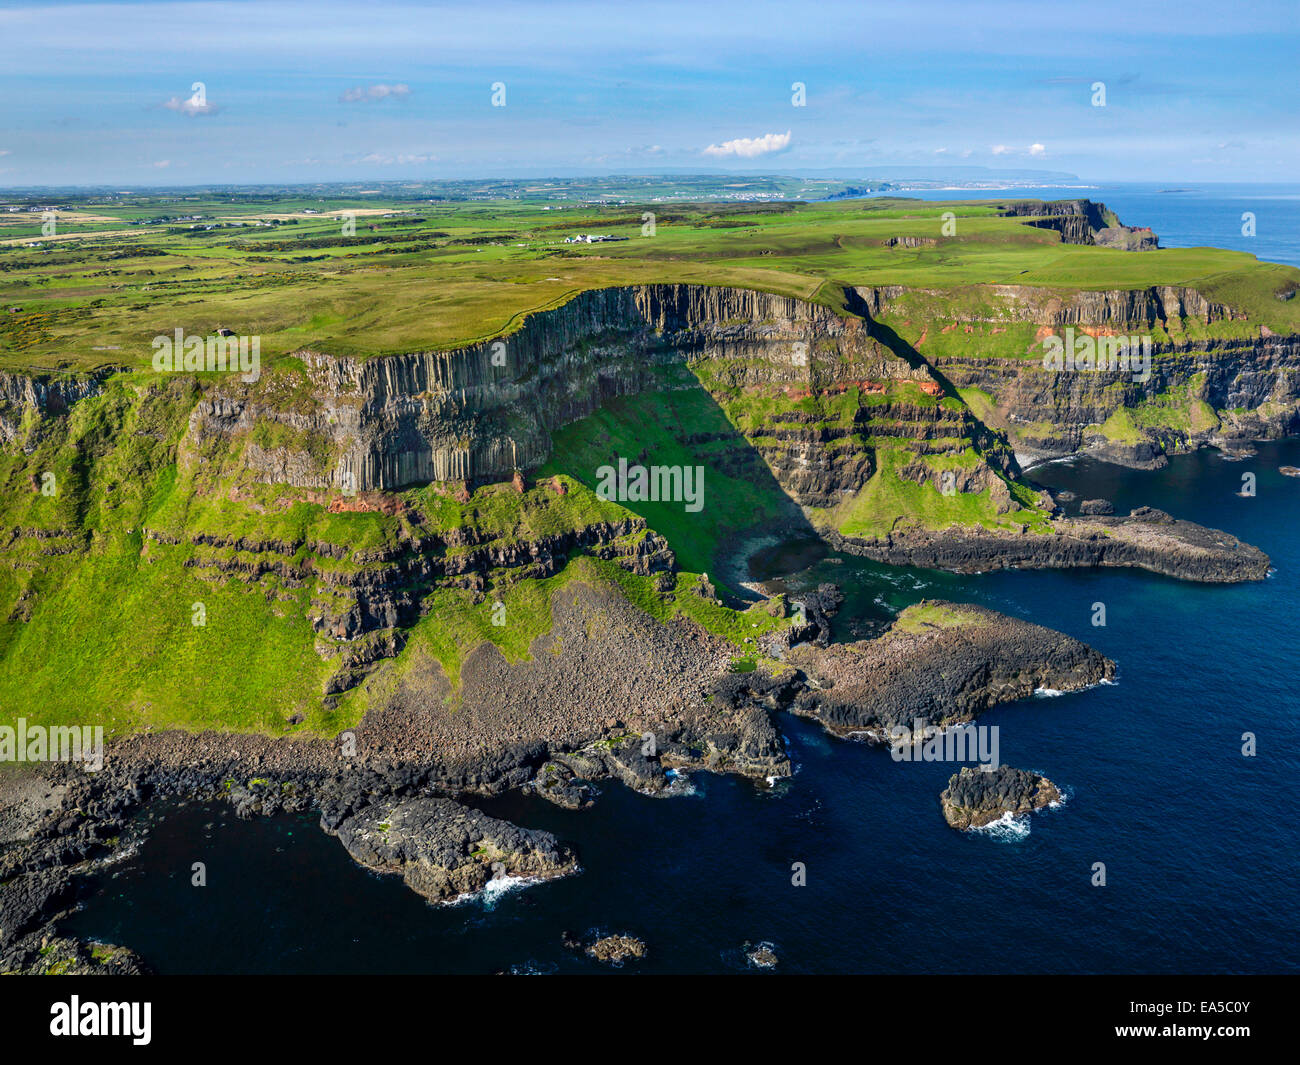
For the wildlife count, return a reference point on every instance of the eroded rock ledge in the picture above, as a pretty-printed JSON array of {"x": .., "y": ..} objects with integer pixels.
[
  {"x": 941, "y": 664},
  {"x": 1147, "y": 539}
]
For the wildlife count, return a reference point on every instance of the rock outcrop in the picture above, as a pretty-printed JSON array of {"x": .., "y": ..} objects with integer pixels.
[
  {"x": 615, "y": 950},
  {"x": 1146, "y": 539},
  {"x": 444, "y": 850},
  {"x": 1127, "y": 238},
  {"x": 940, "y": 664},
  {"x": 978, "y": 797},
  {"x": 46, "y": 394}
]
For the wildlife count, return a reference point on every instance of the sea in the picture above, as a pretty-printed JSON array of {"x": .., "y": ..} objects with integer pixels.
[{"x": 1176, "y": 848}]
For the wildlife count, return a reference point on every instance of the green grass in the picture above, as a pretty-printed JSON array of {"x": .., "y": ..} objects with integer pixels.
[
  {"x": 113, "y": 644},
  {"x": 1178, "y": 409},
  {"x": 920, "y": 617},
  {"x": 467, "y": 272},
  {"x": 888, "y": 502},
  {"x": 652, "y": 428}
]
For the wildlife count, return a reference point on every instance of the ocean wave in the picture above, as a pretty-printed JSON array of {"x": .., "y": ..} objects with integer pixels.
[
  {"x": 777, "y": 787},
  {"x": 1009, "y": 828},
  {"x": 866, "y": 735},
  {"x": 495, "y": 890},
  {"x": 120, "y": 854},
  {"x": 1052, "y": 693},
  {"x": 680, "y": 786},
  {"x": 534, "y": 968}
]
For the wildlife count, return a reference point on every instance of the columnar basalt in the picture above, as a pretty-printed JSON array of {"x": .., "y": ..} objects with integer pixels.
[
  {"x": 822, "y": 399},
  {"x": 482, "y": 411}
]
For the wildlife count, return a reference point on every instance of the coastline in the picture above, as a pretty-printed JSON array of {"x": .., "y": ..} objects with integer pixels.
[{"x": 82, "y": 819}]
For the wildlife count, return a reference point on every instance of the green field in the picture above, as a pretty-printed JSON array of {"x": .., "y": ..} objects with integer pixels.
[{"x": 419, "y": 276}]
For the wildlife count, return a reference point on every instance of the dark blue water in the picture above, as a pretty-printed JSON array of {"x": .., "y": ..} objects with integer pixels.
[{"x": 1200, "y": 844}]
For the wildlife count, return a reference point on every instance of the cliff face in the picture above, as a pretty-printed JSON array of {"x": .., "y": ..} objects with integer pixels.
[
  {"x": 42, "y": 394},
  {"x": 482, "y": 411},
  {"x": 1158, "y": 305},
  {"x": 1199, "y": 390},
  {"x": 1078, "y": 221},
  {"x": 485, "y": 410}
]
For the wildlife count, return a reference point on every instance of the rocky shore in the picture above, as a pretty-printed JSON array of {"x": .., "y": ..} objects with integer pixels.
[
  {"x": 608, "y": 694},
  {"x": 1146, "y": 539},
  {"x": 977, "y": 797},
  {"x": 939, "y": 664},
  {"x": 444, "y": 850}
]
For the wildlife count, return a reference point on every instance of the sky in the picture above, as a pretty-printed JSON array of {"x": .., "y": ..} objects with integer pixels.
[{"x": 109, "y": 93}]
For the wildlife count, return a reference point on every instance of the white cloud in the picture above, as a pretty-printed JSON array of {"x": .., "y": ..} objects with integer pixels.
[
  {"x": 374, "y": 93},
  {"x": 191, "y": 106},
  {"x": 4, "y": 152},
  {"x": 1008, "y": 149},
  {"x": 749, "y": 147},
  {"x": 162, "y": 164}
]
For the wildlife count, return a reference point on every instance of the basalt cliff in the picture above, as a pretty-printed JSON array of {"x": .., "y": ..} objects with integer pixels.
[{"x": 836, "y": 407}]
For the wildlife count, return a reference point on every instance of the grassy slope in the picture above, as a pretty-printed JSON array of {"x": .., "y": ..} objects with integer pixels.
[
  {"x": 888, "y": 503},
  {"x": 110, "y": 636},
  {"x": 655, "y": 424}
]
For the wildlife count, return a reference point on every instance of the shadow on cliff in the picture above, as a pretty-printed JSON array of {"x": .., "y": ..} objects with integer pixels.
[
  {"x": 903, "y": 350},
  {"x": 744, "y": 507},
  {"x": 895, "y": 343}
]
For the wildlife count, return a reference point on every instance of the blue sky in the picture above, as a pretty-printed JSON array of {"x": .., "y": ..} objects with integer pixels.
[{"x": 102, "y": 93}]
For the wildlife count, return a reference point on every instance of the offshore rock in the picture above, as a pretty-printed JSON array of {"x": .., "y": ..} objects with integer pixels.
[
  {"x": 444, "y": 850},
  {"x": 978, "y": 797}
]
